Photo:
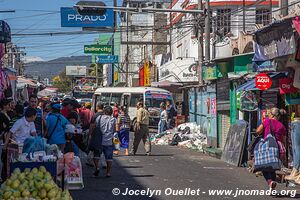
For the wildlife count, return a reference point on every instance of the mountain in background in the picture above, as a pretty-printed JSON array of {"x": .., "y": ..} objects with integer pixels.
[{"x": 49, "y": 69}]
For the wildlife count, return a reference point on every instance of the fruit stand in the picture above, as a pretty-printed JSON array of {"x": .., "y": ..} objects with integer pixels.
[{"x": 33, "y": 184}]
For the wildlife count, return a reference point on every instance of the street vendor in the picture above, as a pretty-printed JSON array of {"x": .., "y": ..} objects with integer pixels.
[{"x": 22, "y": 128}]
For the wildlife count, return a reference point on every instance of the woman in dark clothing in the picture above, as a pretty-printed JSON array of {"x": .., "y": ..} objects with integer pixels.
[{"x": 5, "y": 106}]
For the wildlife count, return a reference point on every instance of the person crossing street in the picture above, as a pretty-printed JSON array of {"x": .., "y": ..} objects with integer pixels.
[{"x": 141, "y": 129}]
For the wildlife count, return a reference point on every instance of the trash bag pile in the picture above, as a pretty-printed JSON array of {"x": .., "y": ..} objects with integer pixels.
[{"x": 185, "y": 135}]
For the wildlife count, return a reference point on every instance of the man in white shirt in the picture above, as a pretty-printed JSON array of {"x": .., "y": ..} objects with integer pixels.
[{"x": 23, "y": 128}]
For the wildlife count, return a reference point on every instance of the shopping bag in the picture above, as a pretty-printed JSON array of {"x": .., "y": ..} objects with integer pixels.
[{"x": 266, "y": 155}]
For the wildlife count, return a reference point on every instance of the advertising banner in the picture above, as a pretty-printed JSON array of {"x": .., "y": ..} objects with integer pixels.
[
  {"x": 147, "y": 74},
  {"x": 286, "y": 86},
  {"x": 5, "y": 34},
  {"x": 71, "y": 18}
]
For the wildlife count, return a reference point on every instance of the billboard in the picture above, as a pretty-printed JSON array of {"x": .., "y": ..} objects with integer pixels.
[
  {"x": 71, "y": 18},
  {"x": 75, "y": 70}
]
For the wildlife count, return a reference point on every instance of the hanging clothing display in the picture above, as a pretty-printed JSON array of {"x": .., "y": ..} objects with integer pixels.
[
  {"x": 5, "y": 86},
  {"x": 275, "y": 40}
]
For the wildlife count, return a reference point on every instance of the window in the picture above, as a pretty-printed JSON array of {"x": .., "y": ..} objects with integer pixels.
[
  {"x": 223, "y": 21},
  {"x": 103, "y": 98},
  {"x": 116, "y": 98},
  {"x": 262, "y": 16},
  {"x": 135, "y": 98}
]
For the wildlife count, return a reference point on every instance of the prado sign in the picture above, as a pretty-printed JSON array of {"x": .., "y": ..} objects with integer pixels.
[{"x": 71, "y": 18}]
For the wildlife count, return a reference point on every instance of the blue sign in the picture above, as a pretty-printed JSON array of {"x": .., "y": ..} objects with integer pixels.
[
  {"x": 71, "y": 18},
  {"x": 107, "y": 59}
]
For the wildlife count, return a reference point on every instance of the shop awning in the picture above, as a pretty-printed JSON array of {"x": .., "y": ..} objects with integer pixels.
[
  {"x": 166, "y": 83},
  {"x": 250, "y": 85}
]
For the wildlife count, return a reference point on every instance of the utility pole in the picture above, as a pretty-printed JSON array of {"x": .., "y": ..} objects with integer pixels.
[
  {"x": 127, "y": 45},
  {"x": 207, "y": 31},
  {"x": 244, "y": 16},
  {"x": 200, "y": 43},
  {"x": 284, "y": 10}
]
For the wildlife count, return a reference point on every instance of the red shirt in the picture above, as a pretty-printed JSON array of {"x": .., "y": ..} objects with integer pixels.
[
  {"x": 278, "y": 129},
  {"x": 65, "y": 112},
  {"x": 86, "y": 116}
]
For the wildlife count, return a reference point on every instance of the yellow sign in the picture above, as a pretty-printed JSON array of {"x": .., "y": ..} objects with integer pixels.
[
  {"x": 116, "y": 76},
  {"x": 147, "y": 74}
]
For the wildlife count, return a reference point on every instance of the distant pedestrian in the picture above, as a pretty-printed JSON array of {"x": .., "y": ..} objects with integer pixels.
[
  {"x": 116, "y": 110},
  {"x": 19, "y": 109},
  {"x": 95, "y": 140},
  {"x": 86, "y": 116},
  {"x": 162, "y": 125},
  {"x": 123, "y": 128},
  {"x": 141, "y": 129},
  {"x": 171, "y": 114},
  {"x": 56, "y": 127},
  {"x": 39, "y": 121}
]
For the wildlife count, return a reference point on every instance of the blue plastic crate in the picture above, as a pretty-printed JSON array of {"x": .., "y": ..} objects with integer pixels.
[{"x": 51, "y": 167}]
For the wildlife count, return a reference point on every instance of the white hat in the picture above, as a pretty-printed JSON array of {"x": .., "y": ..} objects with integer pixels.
[{"x": 70, "y": 128}]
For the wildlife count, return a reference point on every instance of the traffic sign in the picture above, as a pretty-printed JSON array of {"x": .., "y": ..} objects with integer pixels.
[
  {"x": 107, "y": 59},
  {"x": 263, "y": 81},
  {"x": 98, "y": 49}
]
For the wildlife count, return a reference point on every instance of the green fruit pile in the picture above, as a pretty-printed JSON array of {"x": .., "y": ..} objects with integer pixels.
[{"x": 32, "y": 184}]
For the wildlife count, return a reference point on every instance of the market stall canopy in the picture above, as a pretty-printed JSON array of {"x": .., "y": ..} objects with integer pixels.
[
  {"x": 250, "y": 85},
  {"x": 47, "y": 92},
  {"x": 23, "y": 82}
]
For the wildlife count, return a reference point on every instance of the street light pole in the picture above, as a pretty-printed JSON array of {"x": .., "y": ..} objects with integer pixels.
[{"x": 200, "y": 44}]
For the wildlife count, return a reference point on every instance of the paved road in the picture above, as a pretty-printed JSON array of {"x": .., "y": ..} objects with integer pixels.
[{"x": 170, "y": 167}]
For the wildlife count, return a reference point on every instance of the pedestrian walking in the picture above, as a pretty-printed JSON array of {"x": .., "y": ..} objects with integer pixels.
[
  {"x": 162, "y": 124},
  {"x": 95, "y": 140},
  {"x": 123, "y": 128},
  {"x": 106, "y": 126},
  {"x": 116, "y": 111},
  {"x": 56, "y": 127},
  {"x": 39, "y": 122},
  {"x": 141, "y": 129},
  {"x": 275, "y": 127},
  {"x": 171, "y": 114},
  {"x": 86, "y": 116}
]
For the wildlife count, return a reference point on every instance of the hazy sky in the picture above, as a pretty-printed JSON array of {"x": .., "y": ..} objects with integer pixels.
[{"x": 43, "y": 16}]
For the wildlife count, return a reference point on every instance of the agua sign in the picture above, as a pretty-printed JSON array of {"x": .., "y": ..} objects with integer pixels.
[
  {"x": 71, "y": 18},
  {"x": 263, "y": 81}
]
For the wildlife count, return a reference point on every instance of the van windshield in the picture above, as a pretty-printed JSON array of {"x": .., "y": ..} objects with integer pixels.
[{"x": 153, "y": 100}]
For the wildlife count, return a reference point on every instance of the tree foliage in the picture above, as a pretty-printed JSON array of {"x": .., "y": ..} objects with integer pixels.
[{"x": 62, "y": 82}]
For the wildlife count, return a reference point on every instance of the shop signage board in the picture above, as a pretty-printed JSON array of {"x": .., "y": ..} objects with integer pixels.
[
  {"x": 178, "y": 70},
  {"x": 286, "y": 86},
  {"x": 107, "y": 59},
  {"x": 98, "y": 49},
  {"x": 263, "y": 81},
  {"x": 292, "y": 99},
  {"x": 75, "y": 70},
  {"x": 71, "y": 18}
]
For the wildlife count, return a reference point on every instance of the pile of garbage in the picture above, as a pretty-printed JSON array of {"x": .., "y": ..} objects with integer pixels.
[{"x": 185, "y": 135}]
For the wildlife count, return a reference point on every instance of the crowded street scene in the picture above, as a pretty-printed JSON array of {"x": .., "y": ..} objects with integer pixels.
[{"x": 149, "y": 99}]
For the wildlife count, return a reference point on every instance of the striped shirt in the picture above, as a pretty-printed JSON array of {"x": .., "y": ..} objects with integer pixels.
[{"x": 124, "y": 121}]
